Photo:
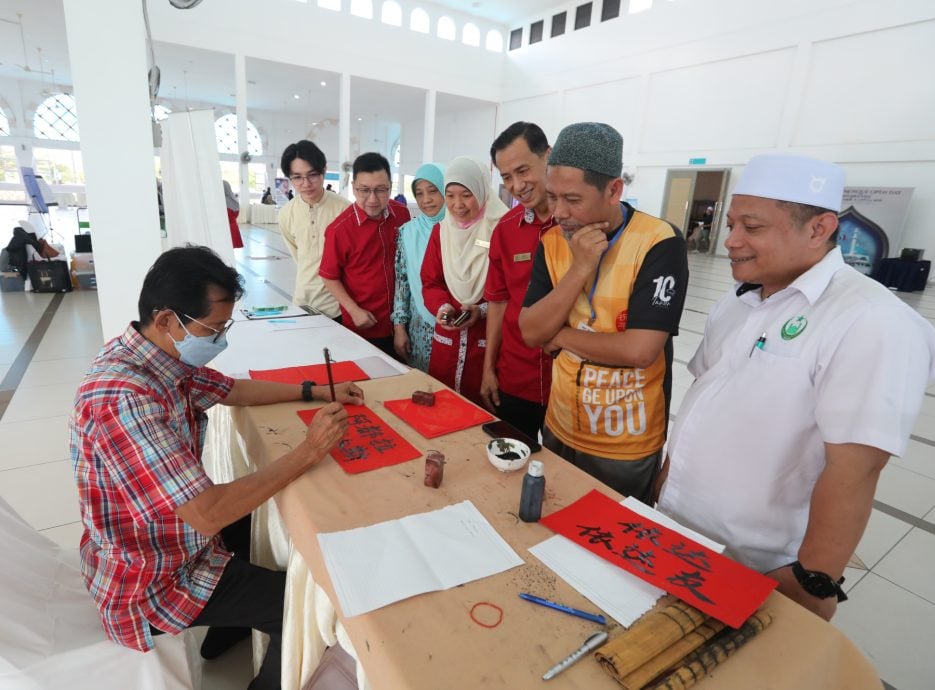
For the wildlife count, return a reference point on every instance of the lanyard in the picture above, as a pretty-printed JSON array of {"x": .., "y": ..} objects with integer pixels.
[{"x": 597, "y": 274}]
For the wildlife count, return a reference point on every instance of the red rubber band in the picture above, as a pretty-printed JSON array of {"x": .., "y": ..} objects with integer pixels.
[{"x": 493, "y": 606}]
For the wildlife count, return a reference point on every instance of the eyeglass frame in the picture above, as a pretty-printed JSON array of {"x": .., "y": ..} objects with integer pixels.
[
  {"x": 217, "y": 333},
  {"x": 308, "y": 178},
  {"x": 378, "y": 192}
]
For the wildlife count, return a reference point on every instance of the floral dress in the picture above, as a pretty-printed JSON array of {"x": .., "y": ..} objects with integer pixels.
[{"x": 405, "y": 311}]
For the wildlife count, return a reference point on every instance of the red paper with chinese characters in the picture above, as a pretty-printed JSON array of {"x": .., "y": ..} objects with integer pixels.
[
  {"x": 450, "y": 413},
  {"x": 342, "y": 371},
  {"x": 712, "y": 583},
  {"x": 369, "y": 443}
]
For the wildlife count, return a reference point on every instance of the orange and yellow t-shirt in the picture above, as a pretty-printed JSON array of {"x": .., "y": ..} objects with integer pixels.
[{"x": 614, "y": 412}]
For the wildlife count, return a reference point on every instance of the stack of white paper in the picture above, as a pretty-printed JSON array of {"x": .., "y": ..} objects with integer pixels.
[
  {"x": 371, "y": 567},
  {"x": 623, "y": 596}
]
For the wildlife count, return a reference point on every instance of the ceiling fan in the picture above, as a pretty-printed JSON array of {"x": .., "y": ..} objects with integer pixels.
[
  {"x": 26, "y": 67},
  {"x": 154, "y": 72}
]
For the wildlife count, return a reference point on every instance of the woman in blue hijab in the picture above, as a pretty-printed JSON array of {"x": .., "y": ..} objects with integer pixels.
[{"x": 413, "y": 324}]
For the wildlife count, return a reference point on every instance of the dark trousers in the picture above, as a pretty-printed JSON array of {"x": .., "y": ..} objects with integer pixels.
[
  {"x": 525, "y": 415},
  {"x": 249, "y": 596},
  {"x": 385, "y": 345},
  {"x": 636, "y": 478}
]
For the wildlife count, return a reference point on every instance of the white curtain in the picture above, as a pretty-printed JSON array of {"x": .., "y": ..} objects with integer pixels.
[{"x": 192, "y": 191}]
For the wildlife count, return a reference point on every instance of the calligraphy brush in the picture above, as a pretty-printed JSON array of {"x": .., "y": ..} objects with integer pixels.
[{"x": 330, "y": 375}]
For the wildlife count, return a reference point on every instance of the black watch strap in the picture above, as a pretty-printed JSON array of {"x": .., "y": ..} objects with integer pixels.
[
  {"x": 818, "y": 584},
  {"x": 307, "y": 391}
]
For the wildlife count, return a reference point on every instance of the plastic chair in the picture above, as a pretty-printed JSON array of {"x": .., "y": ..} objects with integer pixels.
[{"x": 50, "y": 630}]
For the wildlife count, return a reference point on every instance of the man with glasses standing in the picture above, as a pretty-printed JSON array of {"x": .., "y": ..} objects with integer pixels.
[
  {"x": 358, "y": 264},
  {"x": 164, "y": 548},
  {"x": 302, "y": 223}
]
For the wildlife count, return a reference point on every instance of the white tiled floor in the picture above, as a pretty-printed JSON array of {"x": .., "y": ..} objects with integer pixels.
[{"x": 892, "y": 608}]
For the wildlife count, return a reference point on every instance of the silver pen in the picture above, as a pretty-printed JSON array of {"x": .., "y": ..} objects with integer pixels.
[{"x": 590, "y": 644}]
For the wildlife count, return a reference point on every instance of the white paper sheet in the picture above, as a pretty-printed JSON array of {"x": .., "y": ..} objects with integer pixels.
[
  {"x": 623, "y": 596},
  {"x": 378, "y": 565},
  {"x": 264, "y": 345}
]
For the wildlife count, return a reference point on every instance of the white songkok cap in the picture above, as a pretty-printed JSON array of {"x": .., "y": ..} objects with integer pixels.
[{"x": 799, "y": 179}]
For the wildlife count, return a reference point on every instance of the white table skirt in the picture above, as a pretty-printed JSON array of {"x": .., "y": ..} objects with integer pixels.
[
  {"x": 264, "y": 213},
  {"x": 310, "y": 623}
]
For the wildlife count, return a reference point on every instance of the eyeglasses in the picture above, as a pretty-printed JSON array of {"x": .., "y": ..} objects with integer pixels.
[
  {"x": 364, "y": 192},
  {"x": 309, "y": 179},
  {"x": 217, "y": 333}
]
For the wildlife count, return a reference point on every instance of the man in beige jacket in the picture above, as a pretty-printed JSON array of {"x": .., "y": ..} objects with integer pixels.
[{"x": 302, "y": 222}]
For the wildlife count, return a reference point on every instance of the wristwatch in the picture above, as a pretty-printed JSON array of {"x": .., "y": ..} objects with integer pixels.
[
  {"x": 307, "y": 391},
  {"x": 818, "y": 584}
]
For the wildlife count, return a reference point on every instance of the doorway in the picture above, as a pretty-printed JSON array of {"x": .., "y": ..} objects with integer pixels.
[{"x": 693, "y": 202}]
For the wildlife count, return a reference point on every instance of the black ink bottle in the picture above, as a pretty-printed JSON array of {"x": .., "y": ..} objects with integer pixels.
[{"x": 530, "y": 502}]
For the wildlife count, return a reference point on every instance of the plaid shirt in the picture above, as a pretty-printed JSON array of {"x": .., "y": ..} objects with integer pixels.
[{"x": 137, "y": 433}]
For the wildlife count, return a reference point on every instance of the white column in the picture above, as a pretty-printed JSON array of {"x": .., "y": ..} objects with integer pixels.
[
  {"x": 428, "y": 134},
  {"x": 117, "y": 149},
  {"x": 240, "y": 78},
  {"x": 344, "y": 128}
]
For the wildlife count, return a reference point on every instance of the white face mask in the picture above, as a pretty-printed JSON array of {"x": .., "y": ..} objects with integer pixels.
[{"x": 198, "y": 350}]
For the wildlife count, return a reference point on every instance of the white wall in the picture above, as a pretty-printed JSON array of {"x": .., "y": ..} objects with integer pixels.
[
  {"x": 303, "y": 34},
  {"x": 727, "y": 79},
  {"x": 463, "y": 133}
]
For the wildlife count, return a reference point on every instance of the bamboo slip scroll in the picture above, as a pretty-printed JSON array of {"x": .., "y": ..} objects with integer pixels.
[{"x": 675, "y": 645}]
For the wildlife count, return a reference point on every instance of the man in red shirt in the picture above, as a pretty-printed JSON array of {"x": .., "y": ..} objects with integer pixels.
[
  {"x": 516, "y": 378},
  {"x": 358, "y": 265}
]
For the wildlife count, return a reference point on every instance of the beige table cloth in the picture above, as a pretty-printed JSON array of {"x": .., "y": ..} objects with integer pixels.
[{"x": 430, "y": 641}]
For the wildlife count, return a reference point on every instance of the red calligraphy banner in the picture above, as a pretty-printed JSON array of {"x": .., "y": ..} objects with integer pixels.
[
  {"x": 369, "y": 443},
  {"x": 450, "y": 413},
  {"x": 342, "y": 371},
  {"x": 712, "y": 583}
]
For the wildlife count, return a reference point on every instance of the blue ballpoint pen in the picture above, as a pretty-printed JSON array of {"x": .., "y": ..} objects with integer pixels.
[{"x": 593, "y": 617}]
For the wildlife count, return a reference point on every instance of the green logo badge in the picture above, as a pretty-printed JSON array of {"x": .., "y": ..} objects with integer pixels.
[{"x": 793, "y": 327}]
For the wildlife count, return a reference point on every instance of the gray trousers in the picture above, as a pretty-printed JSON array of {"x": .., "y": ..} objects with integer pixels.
[{"x": 630, "y": 477}]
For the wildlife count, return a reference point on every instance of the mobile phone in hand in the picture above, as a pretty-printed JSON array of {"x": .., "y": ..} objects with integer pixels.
[
  {"x": 461, "y": 318},
  {"x": 501, "y": 429}
]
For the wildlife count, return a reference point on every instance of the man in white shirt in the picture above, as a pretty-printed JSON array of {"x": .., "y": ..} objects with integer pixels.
[
  {"x": 810, "y": 375},
  {"x": 302, "y": 222}
]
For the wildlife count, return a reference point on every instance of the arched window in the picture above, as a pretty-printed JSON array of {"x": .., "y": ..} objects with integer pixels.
[
  {"x": 57, "y": 118},
  {"x": 4, "y": 124},
  {"x": 447, "y": 29},
  {"x": 470, "y": 35},
  {"x": 494, "y": 41},
  {"x": 419, "y": 20},
  {"x": 362, "y": 8},
  {"x": 391, "y": 13},
  {"x": 330, "y": 5},
  {"x": 160, "y": 112},
  {"x": 225, "y": 129}
]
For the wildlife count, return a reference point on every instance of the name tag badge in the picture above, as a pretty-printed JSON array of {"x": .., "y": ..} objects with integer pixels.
[
  {"x": 525, "y": 256},
  {"x": 584, "y": 326},
  {"x": 482, "y": 243}
]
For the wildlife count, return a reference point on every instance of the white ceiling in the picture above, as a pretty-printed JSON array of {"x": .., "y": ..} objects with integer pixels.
[
  {"x": 42, "y": 26},
  {"x": 205, "y": 78},
  {"x": 507, "y": 13}
]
